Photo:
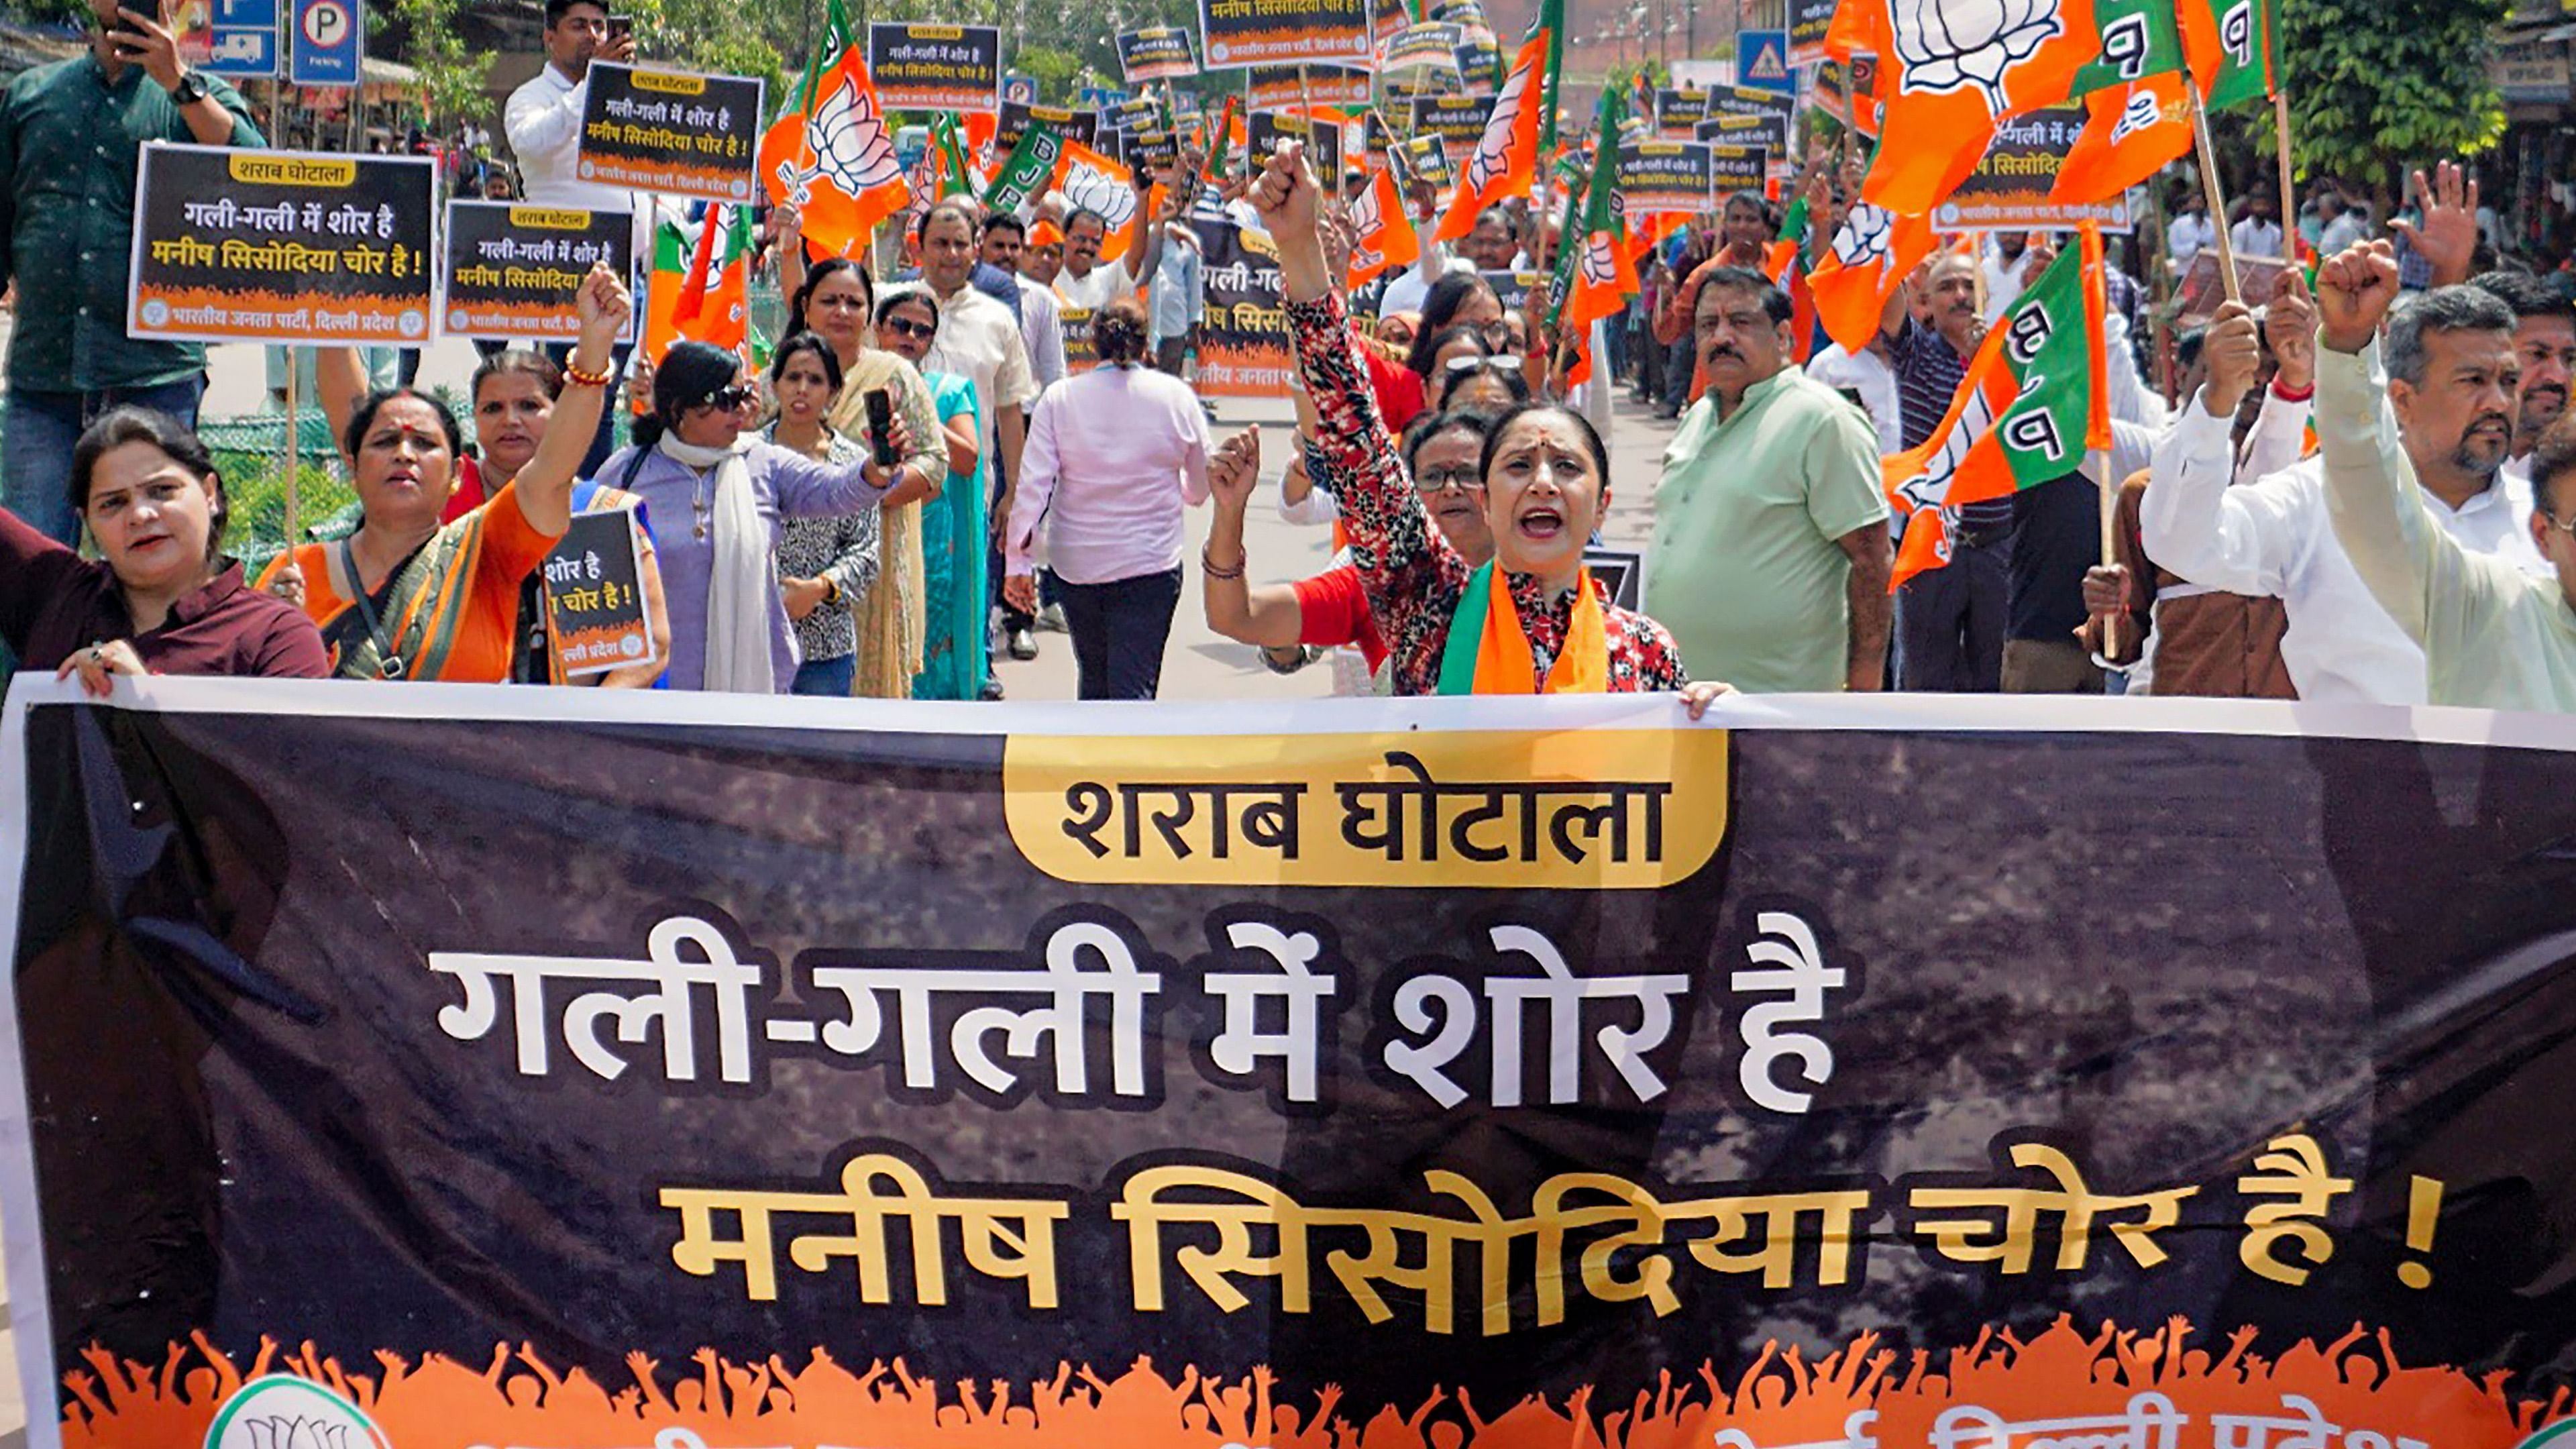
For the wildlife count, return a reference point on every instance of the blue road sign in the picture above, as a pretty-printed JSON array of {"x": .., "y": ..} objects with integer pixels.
[
  {"x": 325, "y": 46},
  {"x": 243, "y": 39},
  {"x": 1762, "y": 61}
]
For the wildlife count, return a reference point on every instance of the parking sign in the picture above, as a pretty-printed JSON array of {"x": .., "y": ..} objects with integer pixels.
[{"x": 324, "y": 48}]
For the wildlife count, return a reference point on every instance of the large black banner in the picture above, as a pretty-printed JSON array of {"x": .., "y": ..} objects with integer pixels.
[{"x": 522, "y": 1067}]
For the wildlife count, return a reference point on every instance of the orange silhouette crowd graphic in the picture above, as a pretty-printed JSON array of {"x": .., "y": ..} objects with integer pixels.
[{"x": 2356, "y": 1383}]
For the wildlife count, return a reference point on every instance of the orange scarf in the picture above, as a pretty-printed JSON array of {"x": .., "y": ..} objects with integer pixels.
[{"x": 1489, "y": 653}]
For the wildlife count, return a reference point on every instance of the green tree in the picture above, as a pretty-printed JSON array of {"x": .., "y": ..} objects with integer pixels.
[
  {"x": 2378, "y": 87},
  {"x": 451, "y": 77}
]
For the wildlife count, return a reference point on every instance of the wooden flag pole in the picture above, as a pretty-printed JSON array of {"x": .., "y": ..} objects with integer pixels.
[
  {"x": 2289, "y": 187},
  {"x": 2214, "y": 193}
]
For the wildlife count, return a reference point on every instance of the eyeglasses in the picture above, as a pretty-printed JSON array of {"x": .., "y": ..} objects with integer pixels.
[
  {"x": 1439, "y": 480},
  {"x": 901, "y": 328},
  {"x": 726, "y": 399},
  {"x": 2568, "y": 527},
  {"x": 1500, "y": 362}
]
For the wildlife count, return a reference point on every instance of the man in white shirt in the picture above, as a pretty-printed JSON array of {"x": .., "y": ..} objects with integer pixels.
[
  {"x": 1088, "y": 283},
  {"x": 2190, "y": 232},
  {"x": 2259, "y": 234},
  {"x": 1041, "y": 324},
  {"x": 980, "y": 342},
  {"x": 543, "y": 123},
  {"x": 2012, "y": 264},
  {"x": 2273, "y": 536},
  {"x": 2494, "y": 636}
]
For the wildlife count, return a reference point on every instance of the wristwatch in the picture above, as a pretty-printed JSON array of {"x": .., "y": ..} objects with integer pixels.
[
  {"x": 191, "y": 89},
  {"x": 831, "y": 592}
]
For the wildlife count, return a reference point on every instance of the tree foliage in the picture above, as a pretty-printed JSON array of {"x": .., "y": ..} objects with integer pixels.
[
  {"x": 450, "y": 76},
  {"x": 2381, "y": 86}
]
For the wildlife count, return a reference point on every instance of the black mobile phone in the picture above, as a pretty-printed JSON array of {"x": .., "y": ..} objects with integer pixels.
[
  {"x": 620, "y": 25},
  {"x": 881, "y": 427}
]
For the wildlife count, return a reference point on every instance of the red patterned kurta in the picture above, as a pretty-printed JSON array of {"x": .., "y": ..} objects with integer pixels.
[{"x": 1412, "y": 576}]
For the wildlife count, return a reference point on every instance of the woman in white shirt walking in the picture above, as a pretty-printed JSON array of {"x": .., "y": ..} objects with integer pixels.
[{"x": 1113, "y": 455}]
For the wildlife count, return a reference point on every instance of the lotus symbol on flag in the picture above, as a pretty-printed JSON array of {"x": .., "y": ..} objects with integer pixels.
[
  {"x": 1955, "y": 45},
  {"x": 1087, "y": 187},
  {"x": 851, "y": 148},
  {"x": 1866, "y": 237},
  {"x": 1363, "y": 214},
  {"x": 2141, "y": 112},
  {"x": 1492, "y": 156},
  {"x": 1600, "y": 261}
]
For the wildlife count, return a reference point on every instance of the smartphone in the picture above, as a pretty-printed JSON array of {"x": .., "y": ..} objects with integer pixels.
[
  {"x": 881, "y": 427},
  {"x": 619, "y": 27}
]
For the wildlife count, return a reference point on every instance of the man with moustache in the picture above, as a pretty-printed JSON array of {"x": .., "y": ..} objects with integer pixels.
[
  {"x": 1771, "y": 547},
  {"x": 2453, "y": 381},
  {"x": 2493, "y": 635},
  {"x": 2544, "y": 340},
  {"x": 1949, "y": 621}
]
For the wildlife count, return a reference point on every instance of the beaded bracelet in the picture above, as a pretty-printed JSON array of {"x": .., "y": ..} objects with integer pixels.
[{"x": 579, "y": 378}]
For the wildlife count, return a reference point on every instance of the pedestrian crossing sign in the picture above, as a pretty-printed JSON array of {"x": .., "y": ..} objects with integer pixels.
[{"x": 1762, "y": 61}]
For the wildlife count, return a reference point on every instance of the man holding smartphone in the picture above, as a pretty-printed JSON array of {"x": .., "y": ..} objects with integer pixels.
[
  {"x": 543, "y": 124},
  {"x": 70, "y": 138}
]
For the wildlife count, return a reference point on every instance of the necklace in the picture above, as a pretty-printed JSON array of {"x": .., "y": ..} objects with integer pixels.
[{"x": 702, "y": 501}]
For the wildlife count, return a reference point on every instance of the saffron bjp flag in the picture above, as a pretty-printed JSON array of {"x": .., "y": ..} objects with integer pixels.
[
  {"x": 2129, "y": 135},
  {"x": 2036, "y": 399},
  {"x": 1948, "y": 71},
  {"x": 831, "y": 156},
  {"x": 1092, "y": 182},
  {"x": 2231, "y": 44},
  {"x": 1506, "y": 156},
  {"x": 714, "y": 302},
  {"x": 671, "y": 255},
  {"x": 1603, "y": 275},
  {"x": 1386, "y": 238},
  {"x": 2137, "y": 112},
  {"x": 1870, "y": 258},
  {"x": 1548, "y": 28}
]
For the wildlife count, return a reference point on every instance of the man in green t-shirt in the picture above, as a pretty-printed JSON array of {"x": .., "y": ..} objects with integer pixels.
[{"x": 1771, "y": 552}]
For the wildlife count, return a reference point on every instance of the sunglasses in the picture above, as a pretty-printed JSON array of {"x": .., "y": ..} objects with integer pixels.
[
  {"x": 726, "y": 399},
  {"x": 1502, "y": 362},
  {"x": 902, "y": 328}
]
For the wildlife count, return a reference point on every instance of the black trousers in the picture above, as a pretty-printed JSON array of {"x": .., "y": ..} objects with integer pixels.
[
  {"x": 1950, "y": 623},
  {"x": 1119, "y": 630}
]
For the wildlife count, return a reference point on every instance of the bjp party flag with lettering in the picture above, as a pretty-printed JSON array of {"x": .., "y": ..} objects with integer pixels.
[
  {"x": 2137, "y": 112},
  {"x": 2231, "y": 44},
  {"x": 2036, "y": 399},
  {"x": 1595, "y": 277},
  {"x": 1951, "y": 69}
]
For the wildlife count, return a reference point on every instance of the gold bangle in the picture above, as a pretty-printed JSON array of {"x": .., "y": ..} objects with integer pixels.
[{"x": 579, "y": 378}]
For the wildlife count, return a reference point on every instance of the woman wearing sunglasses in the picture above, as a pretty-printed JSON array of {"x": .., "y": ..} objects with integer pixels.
[
  {"x": 409, "y": 597},
  {"x": 1491, "y": 385},
  {"x": 835, "y": 299},
  {"x": 954, "y": 536},
  {"x": 719, "y": 496}
]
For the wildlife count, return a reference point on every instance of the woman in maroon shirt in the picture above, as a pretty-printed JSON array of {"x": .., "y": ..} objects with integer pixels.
[{"x": 162, "y": 599}]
